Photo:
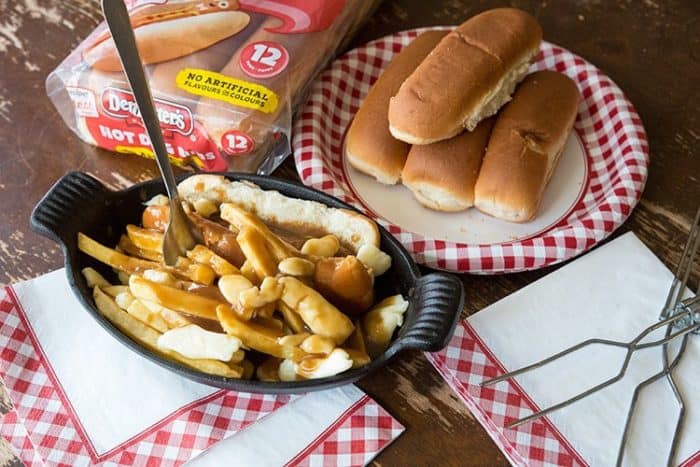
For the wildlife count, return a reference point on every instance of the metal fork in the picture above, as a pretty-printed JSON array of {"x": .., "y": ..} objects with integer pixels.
[
  {"x": 680, "y": 318},
  {"x": 181, "y": 234}
]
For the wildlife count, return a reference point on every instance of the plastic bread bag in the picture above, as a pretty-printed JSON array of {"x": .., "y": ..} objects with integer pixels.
[{"x": 226, "y": 77}]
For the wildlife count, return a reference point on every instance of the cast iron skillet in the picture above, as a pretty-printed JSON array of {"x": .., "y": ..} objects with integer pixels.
[{"x": 80, "y": 203}]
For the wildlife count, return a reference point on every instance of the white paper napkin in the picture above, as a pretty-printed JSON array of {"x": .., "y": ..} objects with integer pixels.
[
  {"x": 291, "y": 435},
  {"x": 84, "y": 398},
  {"x": 613, "y": 292}
]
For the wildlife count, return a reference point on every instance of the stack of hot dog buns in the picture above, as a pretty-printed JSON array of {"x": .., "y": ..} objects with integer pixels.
[{"x": 425, "y": 122}]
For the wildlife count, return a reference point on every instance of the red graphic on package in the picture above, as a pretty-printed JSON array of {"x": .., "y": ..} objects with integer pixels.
[
  {"x": 118, "y": 127},
  {"x": 236, "y": 143},
  {"x": 297, "y": 15},
  {"x": 264, "y": 59}
]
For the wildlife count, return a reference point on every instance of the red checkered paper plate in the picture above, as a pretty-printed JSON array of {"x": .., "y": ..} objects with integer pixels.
[{"x": 599, "y": 179}]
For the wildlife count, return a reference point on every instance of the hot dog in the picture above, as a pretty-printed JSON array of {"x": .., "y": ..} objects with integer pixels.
[
  {"x": 217, "y": 237},
  {"x": 281, "y": 212},
  {"x": 172, "y": 31}
]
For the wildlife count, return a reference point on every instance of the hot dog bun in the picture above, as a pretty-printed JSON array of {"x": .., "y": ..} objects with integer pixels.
[
  {"x": 469, "y": 75},
  {"x": 166, "y": 40},
  {"x": 525, "y": 146},
  {"x": 442, "y": 175},
  {"x": 315, "y": 219},
  {"x": 370, "y": 147}
]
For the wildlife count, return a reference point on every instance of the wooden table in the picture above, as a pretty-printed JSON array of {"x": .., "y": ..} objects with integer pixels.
[{"x": 651, "y": 48}]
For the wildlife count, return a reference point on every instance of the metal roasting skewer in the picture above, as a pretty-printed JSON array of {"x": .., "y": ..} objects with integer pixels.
[{"x": 679, "y": 316}]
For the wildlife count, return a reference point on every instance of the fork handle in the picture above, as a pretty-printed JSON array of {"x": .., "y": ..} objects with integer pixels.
[{"x": 119, "y": 24}]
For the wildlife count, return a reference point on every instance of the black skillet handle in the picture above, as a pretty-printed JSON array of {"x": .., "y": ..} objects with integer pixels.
[
  {"x": 438, "y": 299},
  {"x": 70, "y": 198}
]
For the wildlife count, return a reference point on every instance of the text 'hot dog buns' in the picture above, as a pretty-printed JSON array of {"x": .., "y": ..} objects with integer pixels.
[
  {"x": 467, "y": 77},
  {"x": 163, "y": 40},
  {"x": 297, "y": 215},
  {"x": 442, "y": 175},
  {"x": 525, "y": 145},
  {"x": 370, "y": 147}
]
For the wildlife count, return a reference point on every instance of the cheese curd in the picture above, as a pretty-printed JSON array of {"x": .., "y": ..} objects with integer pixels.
[{"x": 191, "y": 341}]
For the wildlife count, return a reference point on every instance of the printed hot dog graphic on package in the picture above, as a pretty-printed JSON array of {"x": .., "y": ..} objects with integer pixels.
[{"x": 225, "y": 76}]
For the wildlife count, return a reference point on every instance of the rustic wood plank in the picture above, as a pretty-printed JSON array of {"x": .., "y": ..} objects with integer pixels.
[
  {"x": 8, "y": 458},
  {"x": 5, "y": 402}
]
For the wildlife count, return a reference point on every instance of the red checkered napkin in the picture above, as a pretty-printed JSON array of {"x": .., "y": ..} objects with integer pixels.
[
  {"x": 611, "y": 132},
  {"x": 13, "y": 431},
  {"x": 81, "y": 398},
  {"x": 587, "y": 298},
  {"x": 355, "y": 429}
]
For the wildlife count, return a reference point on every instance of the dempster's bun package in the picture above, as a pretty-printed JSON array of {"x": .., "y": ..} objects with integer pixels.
[{"x": 226, "y": 77}]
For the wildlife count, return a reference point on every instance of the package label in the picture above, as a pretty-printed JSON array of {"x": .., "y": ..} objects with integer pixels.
[
  {"x": 83, "y": 100},
  {"x": 227, "y": 89}
]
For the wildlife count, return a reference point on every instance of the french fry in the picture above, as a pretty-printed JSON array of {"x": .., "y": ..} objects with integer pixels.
[
  {"x": 94, "y": 278},
  {"x": 171, "y": 317},
  {"x": 213, "y": 367},
  {"x": 114, "y": 290},
  {"x": 269, "y": 369},
  {"x": 183, "y": 263},
  {"x": 123, "y": 277},
  {"x": 240, "y": 218},
  {"x": 148, "y": 337},
  {"x": 292, "y": 318},
  {"x": 320, "y": 315},
  {"x": 203, "y": 255},
  {"x": 175, "y": 299},
  {"x": 248, "y": 369},
  {"x": 248, "y": 272},
  {"x": 129, "y": 248},
  {"x": 254, "y": 336},
  {"x": 256, "y": 252},
  {"x": 356, "y": 339},
  {"x": 112, "y": 257},
  {"x": 355, "y": 347},
  {"x": 199, "y": 273},
  {"x": 270, "y": 323},
  {"x": 145, "y": 239},
  {"x": 141, "y": 312},
  {"x": 267, "y": 311},
  {"x": 358, "y": 358},
  {"x": 238, "y": 356}
]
